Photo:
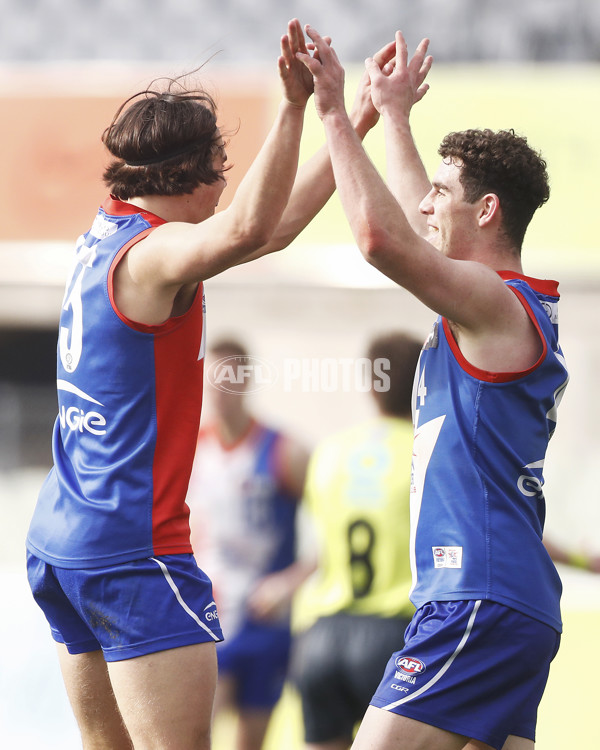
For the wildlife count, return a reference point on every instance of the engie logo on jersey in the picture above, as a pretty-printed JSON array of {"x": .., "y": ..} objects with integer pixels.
[
  {"x": 531, "y": 484},
  {"x": 76, "y": 419},
  {"x": 209, "y": 613}
]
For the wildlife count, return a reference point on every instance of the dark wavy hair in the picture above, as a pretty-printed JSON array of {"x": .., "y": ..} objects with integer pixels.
[
  {"x": 164, "y": 140},
  {"x": 502, "y": 163},
  {"x": 402, "y": 351}
]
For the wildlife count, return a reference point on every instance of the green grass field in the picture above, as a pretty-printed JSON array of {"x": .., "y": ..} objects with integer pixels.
[{"x": 567, "y": 714}]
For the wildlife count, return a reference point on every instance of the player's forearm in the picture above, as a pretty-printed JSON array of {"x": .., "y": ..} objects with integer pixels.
[
  {"x": 376, "y": 220},
  {"x": 406, "y": 175},
  {"x": 264, "y": 192},
  {"x": 314, "y": 186},
  {"x": 312, "y": 189}
]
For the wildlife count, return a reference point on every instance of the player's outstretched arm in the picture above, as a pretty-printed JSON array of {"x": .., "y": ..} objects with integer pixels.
[
  {"x": 373, "y": 213},
  {"x": 469, "y": 293},
  {"x": 395, "y": 89},
  {"x": 315, "y": 183},
  {"x": 178, "y": 253}
]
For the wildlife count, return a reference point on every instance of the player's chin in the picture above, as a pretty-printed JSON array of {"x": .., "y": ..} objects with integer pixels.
[{"x": 433, "y": 237}]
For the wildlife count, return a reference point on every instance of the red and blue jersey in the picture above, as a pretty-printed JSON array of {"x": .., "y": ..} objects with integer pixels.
[
  {"x": 129, "y": 401},
  {"x": 477, "y": 503}
]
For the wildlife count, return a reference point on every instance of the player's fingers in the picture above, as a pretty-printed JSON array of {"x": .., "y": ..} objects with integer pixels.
[
  {"x": 373, "y": 70},
  {"x": 296, "y": 35},
  {"x": 312, "y": 63},
  {"x": 314, "y": 44},
  {"x": 385, "y": 54},
  {"x": 327, "y": 40},
  {"x": 421, "y": 91},
  {"x": 324, "y": 52},
  {"x": 418, "y": 58},
  {"x": 286, "y": 48},
  {"x": 401, "y": 51},
  {"x": 314, "y": 35},
  {"x": 282, "y": 66},
  {"x": 425, "y": 68}
]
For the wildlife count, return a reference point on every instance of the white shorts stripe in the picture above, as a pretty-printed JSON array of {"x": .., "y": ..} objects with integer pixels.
[
  {"x": 446, "y": 666},
  {"x": 179, "y": 598}
]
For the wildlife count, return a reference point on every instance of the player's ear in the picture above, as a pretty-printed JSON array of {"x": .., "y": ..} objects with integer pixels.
[{"x": 489, "y": 209}]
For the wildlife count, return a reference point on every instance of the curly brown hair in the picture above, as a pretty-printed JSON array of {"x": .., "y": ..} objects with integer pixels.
[
  {"x": 502, "y": 163},
  {"x": 164, "y": 142}
]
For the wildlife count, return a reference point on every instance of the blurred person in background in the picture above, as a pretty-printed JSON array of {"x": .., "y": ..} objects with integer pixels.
[
  {"x": 574, "y": 558},
  {"x": 245, "y": 489},
  {"x": 489, "y": 382},
  {"x": 109, "y": 554},
  {"x": 357, "y": 497}
]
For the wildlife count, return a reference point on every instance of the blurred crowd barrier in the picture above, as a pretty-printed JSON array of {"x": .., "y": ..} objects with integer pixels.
[{"x": 243, "y": 30}]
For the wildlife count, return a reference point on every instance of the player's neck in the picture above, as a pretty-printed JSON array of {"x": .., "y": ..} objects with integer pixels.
[
  {"x": 500, "y": 258},
  {"x": 182, "y": 208}
]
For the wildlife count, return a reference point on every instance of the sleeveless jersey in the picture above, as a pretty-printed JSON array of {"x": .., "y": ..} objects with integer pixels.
[
  {"x": 129, "y": 400},
  {"x": 242, "y": 519},
  {"x": 357, "y": 494},
  {"x": 477, "y": 504}
]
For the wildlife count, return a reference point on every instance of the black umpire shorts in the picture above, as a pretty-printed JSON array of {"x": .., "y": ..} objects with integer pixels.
[{"x": 337, "y": 665}]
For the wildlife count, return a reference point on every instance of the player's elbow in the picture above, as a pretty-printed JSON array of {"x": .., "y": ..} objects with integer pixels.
[
  {"x": 374, "y": 244},
  {"x": 250, "y": 235}
]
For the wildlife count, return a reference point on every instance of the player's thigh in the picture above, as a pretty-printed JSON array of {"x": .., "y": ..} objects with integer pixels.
[
  {"x": 518, "y": 743},
  {"x": 166, "y": 698},
  {"x": 383, "y": 730},
  {"x": 512, "y": 743},
  {"x": 92, "y": 699}
]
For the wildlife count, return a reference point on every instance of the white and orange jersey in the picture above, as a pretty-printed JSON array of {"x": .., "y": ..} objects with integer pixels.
[{"x": 242, "y": 516}]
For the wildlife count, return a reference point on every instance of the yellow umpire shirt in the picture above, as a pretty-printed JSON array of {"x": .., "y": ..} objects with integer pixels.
[{"x": 357, "y": 496}]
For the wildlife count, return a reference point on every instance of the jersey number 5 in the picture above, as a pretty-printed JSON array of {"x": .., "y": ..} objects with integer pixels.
[{"x": 70, "y": 339}]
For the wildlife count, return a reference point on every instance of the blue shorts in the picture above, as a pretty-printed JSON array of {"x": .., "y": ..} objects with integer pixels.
[
  {"x": 475, "y": 668},
  {"x": 257, "y": 658},
  {"x": 129, "y": 609}
]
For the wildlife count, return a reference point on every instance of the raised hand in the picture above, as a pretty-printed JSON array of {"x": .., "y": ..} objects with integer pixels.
[
  {"x": 327, "y": 73},
  {"x": 296, "y": 79},
  {"x": 399, "y": 84},
  {"x": 363, "y": 114}
]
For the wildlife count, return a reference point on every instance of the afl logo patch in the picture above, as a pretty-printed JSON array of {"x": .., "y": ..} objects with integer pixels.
[{"x": 410, "y": 665}]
